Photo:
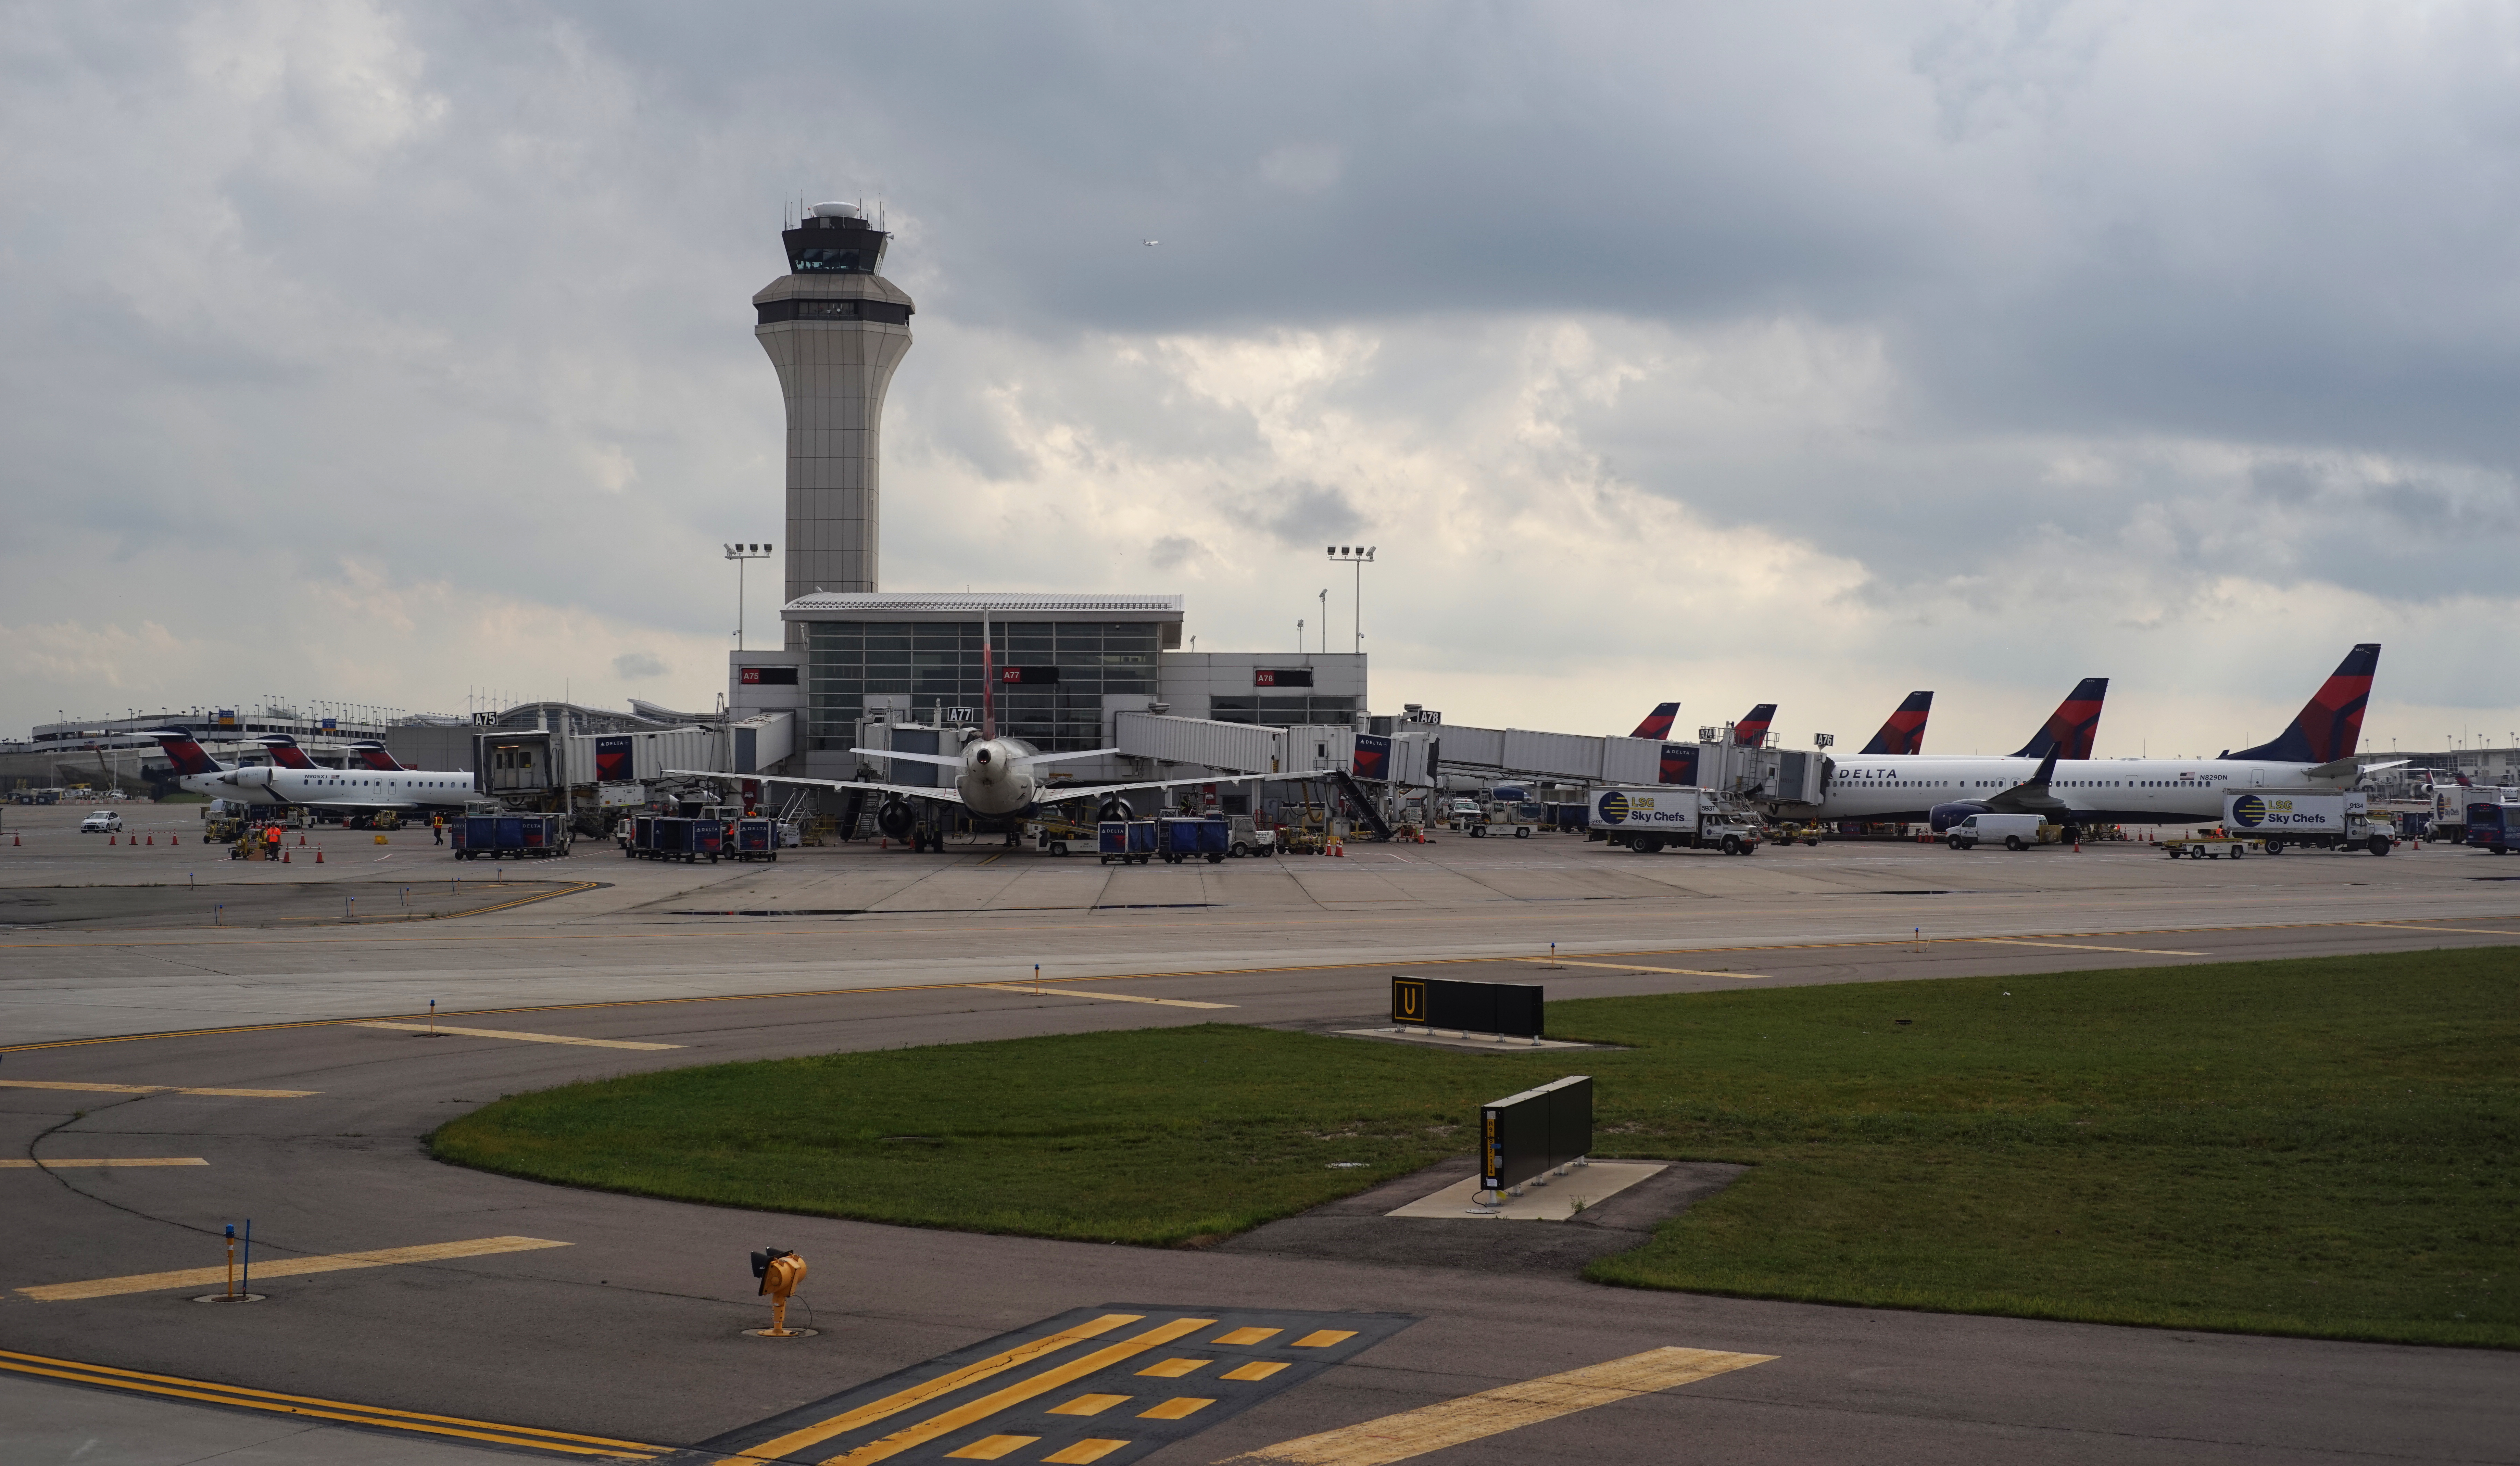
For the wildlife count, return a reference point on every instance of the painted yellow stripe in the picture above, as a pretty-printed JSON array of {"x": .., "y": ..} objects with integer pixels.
[
  {"x": 304, "y": 1405},
  {"x": 2141, "y": 951},
  {"x": 49, "y": 1164},
  {"x": 1640, "y": 967},
  {"x": 1016, "y": 1394},
  {"x": 199, "y": 1277},
  {"x": 498, "y": 1033},
  {"x": 2464, "y": 931},
  {"x": 1058, "y": 991},
  {"x": 918, "y": 1395},
  {"x": 62, "y": 1083},
  {"x": 1493, "y": 1412}
]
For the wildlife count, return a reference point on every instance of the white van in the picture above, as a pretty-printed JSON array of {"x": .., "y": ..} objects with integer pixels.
[{"x": 2016, "y": 831}]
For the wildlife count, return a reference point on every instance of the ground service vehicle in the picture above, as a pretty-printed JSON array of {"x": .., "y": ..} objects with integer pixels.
[
  {"x": 2321, "y": 819},
  {"x": 2012, "y": 832},
  {"x": 2494, "y": 826},
  {"x": 1645, "y": 821},
  {"x": 1517, "y": 818}
]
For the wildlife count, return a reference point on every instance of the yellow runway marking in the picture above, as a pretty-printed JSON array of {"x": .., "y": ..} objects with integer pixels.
[
  {"x": 307, "y": 1406},
  {"x": 1016, "y": 1394},
  {"x": 2465, "y": 931},
  {"x": 49, "y": 1164},
  {"x": 198, "y": 1278},
  {"x": 1641, "y": 967},
  {"x": 1051, "y": 990},
  {"x": 499, "y": 1033},
  {"x": 917, "y": 1394},
  {"x": 62, "y": 1083},
  {"x": 1492, "y": 1413},
  {"x": 2141, "y": 951}
]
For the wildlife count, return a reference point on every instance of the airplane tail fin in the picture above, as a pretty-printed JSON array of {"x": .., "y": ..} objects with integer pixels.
[
  {"x": 285, "y": 752},
  {"x": 1753, "y": 725},
  {"x": 2330, "y": 724},
  {"x": 373, "y": 754},
  {"x": 184, "y": 752},
  {"x": 1657, "y": 724},
  {"x": 1904, "y": 733},
  {"x": 2074, "y": 727}
]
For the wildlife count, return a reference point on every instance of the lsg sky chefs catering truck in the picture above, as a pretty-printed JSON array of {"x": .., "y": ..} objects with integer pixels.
[
  {"x": 1645, "y": 821},
  {"x": 2330, "y": 818}
]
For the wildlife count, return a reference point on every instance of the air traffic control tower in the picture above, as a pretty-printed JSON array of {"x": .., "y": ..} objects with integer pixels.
[{"x": 834, "y": 330}]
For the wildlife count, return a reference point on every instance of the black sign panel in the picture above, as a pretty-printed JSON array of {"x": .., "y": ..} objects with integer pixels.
[
  {"x": 1522, "y": 1136},
  {"x": 769, "y": 677},
  {"x": 1031, "y": 677},
  {"x": 612, "y": 764},
  {"x": 1281, "y": 677},
  {"x": 1510, "y": 1008}
]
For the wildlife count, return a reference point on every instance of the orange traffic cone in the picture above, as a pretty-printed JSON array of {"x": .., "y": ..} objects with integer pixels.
[{"x": 284, "y": 856}]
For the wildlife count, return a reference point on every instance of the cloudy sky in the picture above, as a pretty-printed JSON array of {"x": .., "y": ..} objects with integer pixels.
[{"x": 1728, "y": 353}]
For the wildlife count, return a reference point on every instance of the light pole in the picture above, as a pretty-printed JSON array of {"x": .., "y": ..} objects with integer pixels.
[
  {"x": 1358, "y": 555},
  {"x": 740, "y": 554}
]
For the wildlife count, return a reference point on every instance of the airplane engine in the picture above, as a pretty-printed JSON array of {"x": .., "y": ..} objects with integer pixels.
[
  {"x": 895, "y": 819},
  {"x": 1944, "y": 815}
]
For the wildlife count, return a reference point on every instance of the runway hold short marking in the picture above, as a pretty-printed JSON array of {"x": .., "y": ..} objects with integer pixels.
[
  {"x": 62, "y": 1083},
  {"x": 500, "y": 1033},
  {"x": 282, "y": 1267},
  {"x": 2141, "y": 951},
  {"x": 1058, "y": 991},
  {"x": 1111, "y": 1384},
  {"x": 1493, "y": 1412},
  {"x": 564, "y": 1444}
]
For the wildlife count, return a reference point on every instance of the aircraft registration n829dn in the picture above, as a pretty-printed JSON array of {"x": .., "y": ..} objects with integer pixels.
[
  {"x": 2317, "y": 748},
  {"x": 350, "y": 791}
]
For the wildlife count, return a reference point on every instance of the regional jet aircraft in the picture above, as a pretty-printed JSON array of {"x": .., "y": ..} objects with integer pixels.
[
  {"x": 353, "y": 792},
  {"x": 2318, "y": 746}
]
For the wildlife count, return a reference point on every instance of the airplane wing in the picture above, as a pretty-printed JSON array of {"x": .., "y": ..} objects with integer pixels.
[
  {"x": 2031, "y": 797},
  {"x": 906, "y": 792}
]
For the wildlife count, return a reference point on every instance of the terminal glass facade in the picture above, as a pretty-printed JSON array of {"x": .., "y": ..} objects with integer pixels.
[{"x": 938, "y": 665}]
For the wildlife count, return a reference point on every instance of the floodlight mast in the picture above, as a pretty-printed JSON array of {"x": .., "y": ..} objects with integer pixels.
[{"x": 1358, "y": 555}]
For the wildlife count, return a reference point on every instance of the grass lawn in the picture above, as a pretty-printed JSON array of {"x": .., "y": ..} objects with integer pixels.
[{"x": 2322, "y": 1146}]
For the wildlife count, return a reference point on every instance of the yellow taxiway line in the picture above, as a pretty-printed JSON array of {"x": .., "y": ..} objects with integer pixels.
[
  {"x": 63, "y": 1083},
  {"x": 1055, "y": 990},
  {"x": 500, "y": 1033},
  {"x": 307, "y": 1406},
  {"x": 1492, "y": 1413},
  {"x": 2141, "y": 951},
  {"x": 49, "y": 1164},
  {"x": 197, "y": 1277},
  {"x": 1641, "y": 967}
]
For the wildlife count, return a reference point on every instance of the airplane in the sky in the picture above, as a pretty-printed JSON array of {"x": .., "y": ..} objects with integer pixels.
[
  {"x": 354, "y": 792},
  {"x": 1941, "y": 789}
]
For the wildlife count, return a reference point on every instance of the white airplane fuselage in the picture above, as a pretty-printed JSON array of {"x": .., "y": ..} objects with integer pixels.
[{"x": 2137, "y": 790}]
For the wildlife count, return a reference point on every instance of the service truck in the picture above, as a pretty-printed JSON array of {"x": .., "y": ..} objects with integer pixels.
[
  {"x": 1645, "y": 820},
  {"x": 2320, "y": 819}
]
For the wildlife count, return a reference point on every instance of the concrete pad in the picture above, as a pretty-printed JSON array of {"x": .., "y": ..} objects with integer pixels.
[{"x": 1561, "y": 1198}]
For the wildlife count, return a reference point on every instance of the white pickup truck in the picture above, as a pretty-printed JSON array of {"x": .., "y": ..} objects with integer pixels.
[{"x": 1645, "y": 820}]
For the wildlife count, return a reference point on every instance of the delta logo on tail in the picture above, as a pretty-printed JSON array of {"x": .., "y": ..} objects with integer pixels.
[
  {"x": 1753, "y": 725},
  {"x": 184, "y": 752},
  {"x": 2074, "y": 727},
  {"x": 1657, "y": 724},
  {"x": 373, "y": 754},
  {"x": 285, "y": 752},
  {"x": 1904, "y": 733},
  {"x": 2330, "y": 726}
]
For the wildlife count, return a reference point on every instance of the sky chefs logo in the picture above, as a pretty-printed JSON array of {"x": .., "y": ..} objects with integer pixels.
[
  {"x": 2248, "y": 811},
  {"x": 1614, "y": 808}
]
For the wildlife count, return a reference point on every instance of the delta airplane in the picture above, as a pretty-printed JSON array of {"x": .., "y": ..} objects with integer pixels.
[
  {"x": 347, "y": 791},
  {"x": 2074, "y": 790},
  {"x": 997, "y": 779}
]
